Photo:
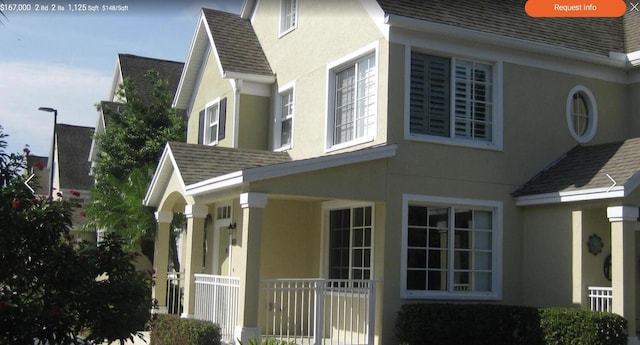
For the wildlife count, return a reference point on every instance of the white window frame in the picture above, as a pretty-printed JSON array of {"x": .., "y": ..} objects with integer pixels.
[
  {"x": 279, "y": 118},
  {"x": 496, "y": 142},
  {"x": 208, "y": 124},
  {"x": 333, "y": 69},
  {"x": 496, "y": 207},
  {"x": 592, "y": 113},
  {"x": 329, "y": 206},
  {"x": 288, "y": 16}
]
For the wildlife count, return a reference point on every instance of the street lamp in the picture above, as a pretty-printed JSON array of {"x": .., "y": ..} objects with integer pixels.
[{"x": 53, "y": 147}]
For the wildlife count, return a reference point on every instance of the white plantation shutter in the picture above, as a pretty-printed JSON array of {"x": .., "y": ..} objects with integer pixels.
[{"x": 430, "y": 95}]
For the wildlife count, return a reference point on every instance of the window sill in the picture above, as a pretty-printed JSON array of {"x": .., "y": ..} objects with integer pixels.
[
  {"x": 483, "y": 145},
  {"x": 348, "y": 144},
  {"x": 283, "y": 148},
  {"x": 443, "y": 295},
  {"x": 286, "y": 32}
]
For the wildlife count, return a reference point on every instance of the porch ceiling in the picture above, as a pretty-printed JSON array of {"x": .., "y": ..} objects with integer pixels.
[{"x": 586, "y": 173}]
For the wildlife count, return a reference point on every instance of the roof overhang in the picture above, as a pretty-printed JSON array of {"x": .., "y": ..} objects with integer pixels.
[
  {"x": 168, "y": 166},
  {"x": 612, "y": 192}
]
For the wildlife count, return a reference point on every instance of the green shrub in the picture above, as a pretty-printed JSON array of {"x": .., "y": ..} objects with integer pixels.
[
  {"x": 480, "y": 324},
  {"x": 172, "y": 330},
  {"x": 562, "y": 326},
  {"x": 465, "y": 324}
]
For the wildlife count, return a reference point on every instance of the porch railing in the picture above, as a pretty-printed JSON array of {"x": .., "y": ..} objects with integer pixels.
[
  {"x": 216, "y": 300},
  {"x": 175, "y": 284},
  {"x": 600, "y": 298},
  {"x": 318, "y": 311}
]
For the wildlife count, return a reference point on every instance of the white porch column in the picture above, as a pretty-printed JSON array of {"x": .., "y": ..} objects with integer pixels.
[
  {"x": 194, "y": 250},
  {"x": 623, "y": 270},
  {"x": 161, "y": 258},
  {"x": 252, "y": 205}
]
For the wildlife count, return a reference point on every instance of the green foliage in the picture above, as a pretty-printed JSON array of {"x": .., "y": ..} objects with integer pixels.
[
  {"x": 467, "y": 324},
  {"x": 562, "y": 326},
  {"x": 270, "y": 341},
  {"x": 172, "y": 330},
  {"x": 499, "y": 324},
  {"x": 48, "y": 285},
  {"x": 130, "y": 148}
]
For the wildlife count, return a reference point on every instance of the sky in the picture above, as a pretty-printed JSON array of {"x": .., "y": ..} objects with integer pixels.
[{"x": 66, "y": 59}]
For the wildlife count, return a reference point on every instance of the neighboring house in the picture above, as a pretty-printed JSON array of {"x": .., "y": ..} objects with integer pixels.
[
  {"x": 38, "y": 167},
  {"x": 133, "y": 67},
  {"x": 344, "y": 160},
  {"x": 71, "y": 179}
]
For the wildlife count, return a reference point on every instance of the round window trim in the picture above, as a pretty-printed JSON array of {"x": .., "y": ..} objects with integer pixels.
[{"x": 592, "y": 112}]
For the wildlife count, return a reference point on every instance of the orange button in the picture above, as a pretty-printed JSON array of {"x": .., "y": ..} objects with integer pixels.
[{"x": 573, "y": 8}]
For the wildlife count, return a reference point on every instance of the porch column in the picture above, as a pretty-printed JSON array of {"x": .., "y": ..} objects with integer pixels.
[
  {"x": 194, "y": 250},
  {"x": 253, "y": 205},
  {"x": 161, "y": 258},
  {"x": 623, "y": 270}
]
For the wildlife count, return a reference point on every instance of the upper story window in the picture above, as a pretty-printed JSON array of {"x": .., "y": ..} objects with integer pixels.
[
  {"x": 353, "y": 102},
  {"x": 452, "y": 98},
  {"x": 582, "y": 114},
  {"x": 284, "y": 119},
  {"x": 213, "y": 122},
  {"x": 451, "y": 249},
  {"x": 288, "y": 15}
]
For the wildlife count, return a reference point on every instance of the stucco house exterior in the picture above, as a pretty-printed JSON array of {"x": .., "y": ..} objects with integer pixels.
[{"x": 344, "y": 158}]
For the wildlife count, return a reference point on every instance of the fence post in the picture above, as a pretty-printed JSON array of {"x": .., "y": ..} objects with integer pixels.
[
  {"x": 318, "y": 332},
  {"x": 371, "y": 324}
]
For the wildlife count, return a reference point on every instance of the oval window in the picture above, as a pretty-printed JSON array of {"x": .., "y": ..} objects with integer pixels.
[{"x": 582, "y": 114}]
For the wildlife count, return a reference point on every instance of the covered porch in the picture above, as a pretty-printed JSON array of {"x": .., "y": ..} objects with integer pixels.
[{"x": 287, "y": 257}]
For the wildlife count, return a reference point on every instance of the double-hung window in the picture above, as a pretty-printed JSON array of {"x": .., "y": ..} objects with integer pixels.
[
  {"x": 451, "y": 250},
  {"x": 452, "y": 98},
  {"x": 353, "y": 105},
  {"x": 284, "y": 119},
  {"x": 213, "y": 122},
  {"x": 288, "y": 15},
  {"x": 350, "y": 243}
]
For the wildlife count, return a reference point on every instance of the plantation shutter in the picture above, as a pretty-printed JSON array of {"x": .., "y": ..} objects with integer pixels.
[
  {"x": 430, "y": 95},
  {"x": 222, "y": 119},
  {"x": 201, "y": 127}
]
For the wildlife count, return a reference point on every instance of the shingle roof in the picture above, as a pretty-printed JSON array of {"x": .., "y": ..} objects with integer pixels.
[
  {"x": 236, "y": 43},
  {"x": 199, "y": 162},
  {"x": 586, "y": 167},
  {"x": 135, "y": 67},
  {"x": 112, "y": 106},
  {"x": 74, "y": 143},
  {"x": 508, "y": 18}
]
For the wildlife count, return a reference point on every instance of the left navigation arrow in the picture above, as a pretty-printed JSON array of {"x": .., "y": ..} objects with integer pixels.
[{"x": 26, "y": 182}]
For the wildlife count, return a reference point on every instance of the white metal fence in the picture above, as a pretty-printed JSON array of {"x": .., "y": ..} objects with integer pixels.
[
  {"x": 175, "y": 285},
  {"x": 318, "y": 311},
  {"x": 600, "y": 298},
  {"x": 216, "y": 300}
]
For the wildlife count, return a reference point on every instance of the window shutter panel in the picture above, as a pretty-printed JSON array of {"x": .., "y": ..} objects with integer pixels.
[
  {"x": 222, "y": 119},
  {"x": 201, "y": 127},
  {"x": 430, "y": 95}
]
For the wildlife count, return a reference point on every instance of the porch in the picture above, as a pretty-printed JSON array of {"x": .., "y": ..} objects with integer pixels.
[{"x": 296, "y": 311}]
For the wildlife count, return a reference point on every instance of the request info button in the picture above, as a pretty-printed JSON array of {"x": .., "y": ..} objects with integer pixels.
[{"x": 573, "y": 8}]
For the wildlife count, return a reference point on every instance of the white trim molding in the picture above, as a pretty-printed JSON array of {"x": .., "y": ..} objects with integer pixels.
[
  {"x": 254, "y": 200},
  {"x": 623, "y": 213}
]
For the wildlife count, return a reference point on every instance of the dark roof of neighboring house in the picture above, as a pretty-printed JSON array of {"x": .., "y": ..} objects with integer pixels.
[
  {"x": 586, "y": 167},
  {"x": 236, "y": 43},
  {"x": 135, "y": 67},
  {"x": 74, "y": 143},
  {"x": 113, "y": 106},
  {"x": 508, "y": 18},
  {"x": 200, "y": 162},
  {"x": 38, "y": 166}
]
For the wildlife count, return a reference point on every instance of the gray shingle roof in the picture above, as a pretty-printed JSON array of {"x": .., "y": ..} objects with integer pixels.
[
  {"x": 199, "y": 163},
  {"x": 508, "y": 18},
  {"x": 236, "y": 43},
  {"x": 135, "y": 67},
  {"x": 74, "y": 143},
  {"x": 586, "y": 167}
]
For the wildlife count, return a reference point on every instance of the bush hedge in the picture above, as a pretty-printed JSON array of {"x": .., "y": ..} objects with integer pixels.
[
  {"x": 481, "y": 324},
  {"x": 172, "y": 330}
]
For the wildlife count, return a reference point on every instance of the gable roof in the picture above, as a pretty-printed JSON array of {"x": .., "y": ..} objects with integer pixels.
[
  {"x": 508, "y": 18},
  {"x": 73, "y": 145},
  {"x": 586, "y": 173},
  {"x": 237, "y": 49},
  {"x": 135, "y": 67}
]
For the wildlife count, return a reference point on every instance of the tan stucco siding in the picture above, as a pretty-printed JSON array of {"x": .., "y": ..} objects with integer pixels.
[
  {"x": 211, "y": 86},
  {"x": 337, "y": 32},
  {"x": 254, "y": 122},
  {"x": 633, "y": 116}
]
